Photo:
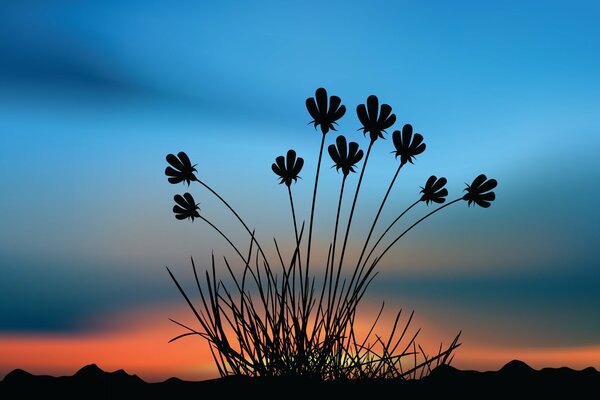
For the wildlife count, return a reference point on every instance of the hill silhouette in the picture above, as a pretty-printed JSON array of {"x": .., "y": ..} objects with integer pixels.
[{"x": 515, "y": 379}]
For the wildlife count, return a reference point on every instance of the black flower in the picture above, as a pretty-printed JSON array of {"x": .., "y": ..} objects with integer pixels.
[
  {"x": 479, "y": 191},
  {"x": 405, "y": 148},
  {"x": 185, "y": 207},
  {"x": 374, "y": 120},
  {"x": 345, "y": 157},
  {"x": 288, "y": 168},
  {"x": 434, "y": 190},
  {"x": 321, "y": 114},
  {"x": 181, "y": 169}
]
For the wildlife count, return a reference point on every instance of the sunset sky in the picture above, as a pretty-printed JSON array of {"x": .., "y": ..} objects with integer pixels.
[{"x": 94, "y": 94}]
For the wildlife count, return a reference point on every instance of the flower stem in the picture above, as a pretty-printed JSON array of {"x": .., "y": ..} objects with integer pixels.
[
  {"x": 362, "y": 172},
  {"x": 236, "y": 214},
  {"x": 337, "y": 220},
  {"x": 226, "y": 238},
  {"x": 355, "y": 292},
  {"x": 362, "y": 253},
  {"x": 387, "y": 230},
  {"x": 412, "y": 226},
  {"x": 297, "y": 248},
  {"x": 312, "y": 209}
]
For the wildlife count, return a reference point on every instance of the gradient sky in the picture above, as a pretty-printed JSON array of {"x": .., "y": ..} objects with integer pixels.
[{"x": 94, "y": 94}]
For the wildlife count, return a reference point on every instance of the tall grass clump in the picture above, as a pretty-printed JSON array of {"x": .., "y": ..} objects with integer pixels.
[{"x": 276, "y": 317}]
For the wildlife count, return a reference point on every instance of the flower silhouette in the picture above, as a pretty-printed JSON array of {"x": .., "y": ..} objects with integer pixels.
[
  {"x": 375, "y": 120},
  {"x": 326, "y": 117},
  {"x": 407, "y": 145},
  {"x": 288, "y": 168},
  {"x": 479, "y": 191},
  {"x": 434, "y": 190},
  {"x": 181, "y": 169},
  {"x": 345, "y": 157},
  {"x": 185, "y": 207}
]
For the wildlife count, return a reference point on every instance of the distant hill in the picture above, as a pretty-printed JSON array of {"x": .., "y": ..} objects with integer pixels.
[{"x": 516, "y": 379}]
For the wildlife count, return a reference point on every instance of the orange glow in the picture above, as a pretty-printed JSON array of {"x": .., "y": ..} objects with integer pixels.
[
  {"x": 138, "y": 344},
  {"x": 137, "y": 341}
]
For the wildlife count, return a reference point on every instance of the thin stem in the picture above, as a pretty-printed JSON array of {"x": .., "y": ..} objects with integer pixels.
[
  {"x": 226, "y": 238},
  {"x": 295, "y": 228},
  {"x": 412, "y": 226},
  {"x": 236, "y": 214},
  {"x": 337, "y": 220},
  {"x": 362, "y": 172},
  {"x": 312, "y": 209},
  {"x": 362, "y": 253},
  {"x": 387, "y": 230}
]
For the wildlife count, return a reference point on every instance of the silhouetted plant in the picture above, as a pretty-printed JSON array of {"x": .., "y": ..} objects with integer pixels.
[
  {"x": 434, "y": 190},
  {"x": 407, "y": 146},
  {"x": 322, "y": 115},
  {"x": 288, "y": 323},
  {"x": 288, "y": 169},
  {"x": 185, "y": 207},
  {"x": 181, "y": 169},
  {"x": 375, "y": 120},
  {"x": 345, "y": 156},
  {"x": 479, "y": 191},
  {"x": 326, "y": 118}
]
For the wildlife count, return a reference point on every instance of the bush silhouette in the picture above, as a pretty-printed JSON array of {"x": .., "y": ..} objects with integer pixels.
[{"x": 278, "y": 318}]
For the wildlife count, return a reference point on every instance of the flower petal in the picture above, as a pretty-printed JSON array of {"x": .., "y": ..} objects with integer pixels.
[
  {"x": 397, "y": 139},
  {"x": 342, "y": 147},
  {"x": 372, "y": 107},
  {"x": 430, "y": 182},
  {"x": 297, "y": 167},
  {"x": 179, "y": 200},
  {"x": 338, "y": 114},
  {"x": 361, "y": 112},
  {"x": 478, "y": 181},
  {"x": 311, "y": 106},
  {"x": 175, "y": 162},
  {"x": 334, "y": 103},
  {"x": 290, "y": 160},
  {"x": 333, "y": 153},
  {"x": 169, "y": 171},
  {"x": 407, "y": 131},
  {"x": 178, "y": 210},
  {"x": 281, "y": 163},
  {"x": 321, "y": 97},
  {"x": 482, "y": 203},
  {"x": 488, "y": 185},
  {"x": 440, "y": 183},
  {"x": 386, "y": 110},
  {"x": 190, "y": 200},
  {"x": 276, "y": 169},
  {"x": 184, "y": 160}
]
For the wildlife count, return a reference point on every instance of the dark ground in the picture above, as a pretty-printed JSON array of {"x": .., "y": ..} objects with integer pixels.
[{"x": 515, "y": 380}]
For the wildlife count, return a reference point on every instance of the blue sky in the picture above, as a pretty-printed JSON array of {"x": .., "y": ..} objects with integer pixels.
[{"x": 94, "y": 95}]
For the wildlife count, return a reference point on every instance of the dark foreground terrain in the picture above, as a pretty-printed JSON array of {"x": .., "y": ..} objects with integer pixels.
[{"x": 515, "y": 380}]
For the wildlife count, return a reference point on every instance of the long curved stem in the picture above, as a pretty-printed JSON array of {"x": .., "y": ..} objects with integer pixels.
[
  {"x": 226, "y": 238},
  {"x": 410, "y": 227},
  {"x": 236, "y": 214},
  {"x": 387, "y": 230},
  {"x": 362, "y": 253},
  {"x": 362, "y": 172},
  {"x": 297, "y": 248},
  {"x": 355, "y": 292},
  {"x": 337, "y": 220},
  {"x": 312, "y": 209}
]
